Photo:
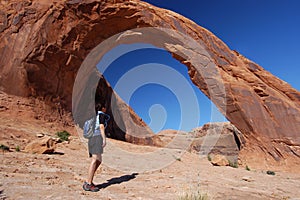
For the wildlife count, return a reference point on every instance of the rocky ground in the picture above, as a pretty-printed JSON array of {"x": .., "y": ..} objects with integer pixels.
[{"x": 60, "y": 175}]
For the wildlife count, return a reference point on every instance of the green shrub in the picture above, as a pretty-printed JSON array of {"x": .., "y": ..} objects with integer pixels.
[
  {"x": 195, "y": 196},
  {"x": 4, "y": 147},
  {"x": 270, "y": 172},
  {"x": 247, "y": 168},
  {"x": 209, "y": 157},
  {"x": 17, "y": 148},
  {"x": 178, "y": 159},
  {"x": 63, "y": 135},
  {"x": 233, "y": 164}
]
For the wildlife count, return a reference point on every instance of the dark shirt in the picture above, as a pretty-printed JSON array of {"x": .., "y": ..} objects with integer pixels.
[{"x": 103, "y": 118}]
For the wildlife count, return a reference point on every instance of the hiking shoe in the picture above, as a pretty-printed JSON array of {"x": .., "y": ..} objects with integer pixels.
[{"x": 90, "y": 187}]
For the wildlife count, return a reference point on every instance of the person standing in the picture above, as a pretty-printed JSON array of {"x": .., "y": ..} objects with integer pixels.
[{"x": 95, "y": 146}]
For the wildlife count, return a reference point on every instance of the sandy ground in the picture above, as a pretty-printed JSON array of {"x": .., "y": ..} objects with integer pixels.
[
  {"x": 60, "y": 176},
  {"x": 128, "y": 171}
]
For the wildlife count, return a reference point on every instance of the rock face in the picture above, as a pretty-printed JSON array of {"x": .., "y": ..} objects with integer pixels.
[
  {"x": 124, "y": 123},
  {"x": 218, "y": 139},
  {"x": 44, "y": 43}
]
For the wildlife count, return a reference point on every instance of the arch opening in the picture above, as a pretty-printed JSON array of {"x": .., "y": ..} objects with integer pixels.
[
  {"x": 200, "y": 66},
  {"x": 154, "y": 100},
  {"x": 185, "y": 49}
]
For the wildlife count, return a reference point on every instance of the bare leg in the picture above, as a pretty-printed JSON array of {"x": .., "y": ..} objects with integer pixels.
[{"x": 95, "y": 163}]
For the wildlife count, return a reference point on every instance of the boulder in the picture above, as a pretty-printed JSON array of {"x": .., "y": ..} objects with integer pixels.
[
  {"x": 43, "y": 145},
  {"x": 219, "y": 160}
]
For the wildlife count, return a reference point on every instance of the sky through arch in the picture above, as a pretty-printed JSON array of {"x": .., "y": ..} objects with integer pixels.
[{"x": 156, "y": 104}]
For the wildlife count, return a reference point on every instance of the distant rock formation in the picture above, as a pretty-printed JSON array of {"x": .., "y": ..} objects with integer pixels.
[
  {"x": 217, "y": 138},
  {"x": 221, "y": 138},
  {"x": 43, "y": 44}
]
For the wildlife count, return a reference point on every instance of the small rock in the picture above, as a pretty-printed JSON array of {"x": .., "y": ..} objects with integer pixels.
[
  {"x": 65, "y": 142},
  {"x": 39, "y": 135},
  {"x": 72, "y": 138},
  {"x": 57, "y": 140},
  {"x": 247, "y": 178},
  {"x": 82, "y": 193}
]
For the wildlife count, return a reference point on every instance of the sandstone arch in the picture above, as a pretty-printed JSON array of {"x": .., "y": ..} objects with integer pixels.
[{"x": 53, "y": 38}]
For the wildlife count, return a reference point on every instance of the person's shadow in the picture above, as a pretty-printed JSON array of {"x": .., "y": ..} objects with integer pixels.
[{"x": 117, "y": 180}]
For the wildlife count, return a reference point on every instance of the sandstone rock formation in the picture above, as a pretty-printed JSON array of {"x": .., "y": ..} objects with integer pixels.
[
  {"x": 43, "y": 44},
  {"x": 41, "y": 146},
  {"x": 226, "y": 139},
  {"x": 218, "y": 138},
  {"x": 123, "y": 118}
]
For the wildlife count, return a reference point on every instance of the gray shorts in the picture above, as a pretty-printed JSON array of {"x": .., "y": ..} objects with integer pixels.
[{"x": 95, "y": 145}]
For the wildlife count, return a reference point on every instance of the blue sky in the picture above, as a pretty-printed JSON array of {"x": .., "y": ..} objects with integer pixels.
[
  {"x": 157, "y": 87},
  {"x": 267, "y": 32}
]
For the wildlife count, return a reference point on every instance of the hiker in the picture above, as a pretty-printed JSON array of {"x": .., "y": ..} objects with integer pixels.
[{"x": 95, "y": 146}]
